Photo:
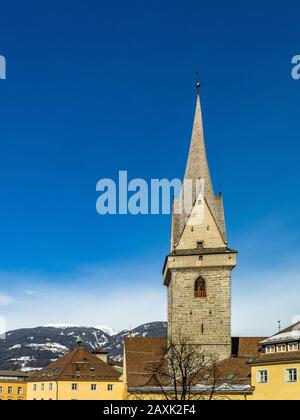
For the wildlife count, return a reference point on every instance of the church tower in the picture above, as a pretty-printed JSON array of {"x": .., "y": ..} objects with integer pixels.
[{"x": 197, "y": 271}]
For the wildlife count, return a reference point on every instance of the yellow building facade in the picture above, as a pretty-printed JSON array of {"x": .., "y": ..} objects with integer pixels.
[
  {"x": 279, "y": 385},
  {"x": 76, "y": 390},
  {"x": 78, "y": 375},
  {"x": 275, "y": 372},
  {"x": 13, "y": 385}
]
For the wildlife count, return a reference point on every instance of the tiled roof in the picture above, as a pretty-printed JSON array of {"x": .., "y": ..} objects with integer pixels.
[
  {"x": 79, "y": 364},
  {"x": 289, "y": 334},
  {"x": 140, "y": 352},
  {"x": 293, "y": 327},
  {"x": 286, "y": 337},
  {"x": 14, "y": 373},
  {"x": 245, "y": 346},
  {"x": 235, "y": 370},
  {"x": 287, "y": 356},
  {"x": 115, "y": 363}
]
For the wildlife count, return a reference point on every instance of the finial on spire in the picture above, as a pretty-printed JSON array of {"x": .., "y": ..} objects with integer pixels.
[
  {"x": 198, "y": 84},
  {"x": 79, "y": 341}
]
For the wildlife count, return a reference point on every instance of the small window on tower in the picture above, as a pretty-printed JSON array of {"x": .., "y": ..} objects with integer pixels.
[
  {"x": 200, "y": 245},
  {"x": 200, "y": 288}
]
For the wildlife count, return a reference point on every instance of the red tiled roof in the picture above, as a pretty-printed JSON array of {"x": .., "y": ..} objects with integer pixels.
[
  {"x": 140, "y": 352},
  {"x": 79, "y": 364},
  {"x": 288, "y": 356},
  {"x": 238, "y": 367},
  {"x": 246, "y": 346}
]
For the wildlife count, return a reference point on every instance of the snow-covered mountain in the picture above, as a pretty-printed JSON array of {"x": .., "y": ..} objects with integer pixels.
[
  {"x": 32, "y": 348},
  {"x": 108, "y": 330},
  {"x": 61, "y": 326}
]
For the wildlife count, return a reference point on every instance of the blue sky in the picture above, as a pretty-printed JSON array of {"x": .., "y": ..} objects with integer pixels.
[{"x": 96, "y": 87}]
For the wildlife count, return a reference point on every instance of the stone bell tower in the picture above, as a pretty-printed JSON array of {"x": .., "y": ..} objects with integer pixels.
[{"x": 197, "y": 272}]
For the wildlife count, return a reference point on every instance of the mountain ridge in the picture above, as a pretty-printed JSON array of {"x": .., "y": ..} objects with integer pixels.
[{"x": 33, "y": 348}]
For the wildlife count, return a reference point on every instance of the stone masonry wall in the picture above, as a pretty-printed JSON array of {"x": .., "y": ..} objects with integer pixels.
[{"x": 187, "y": 313}]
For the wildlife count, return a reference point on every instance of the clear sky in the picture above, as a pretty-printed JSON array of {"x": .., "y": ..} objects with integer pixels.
[{"x": 96, "y": 87}]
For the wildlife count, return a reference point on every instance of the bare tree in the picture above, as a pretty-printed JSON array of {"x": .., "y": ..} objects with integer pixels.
[{"x": 184, "y": 372}]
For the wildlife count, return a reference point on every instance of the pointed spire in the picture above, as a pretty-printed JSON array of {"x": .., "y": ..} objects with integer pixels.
[
  {"x": 197, "y": 168},
  {"x": 197, "y": 164}
]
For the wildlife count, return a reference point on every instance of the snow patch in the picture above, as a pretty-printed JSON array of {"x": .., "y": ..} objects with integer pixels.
[
  {"x": 107, "y": 330},
  {"x": 24, "y": 361},
  {"x": 15, "y": 347},
  {"x": 29, "y": 369},
  {"x": 60, "y": 326},
  {"x": 54, "y": 347}
]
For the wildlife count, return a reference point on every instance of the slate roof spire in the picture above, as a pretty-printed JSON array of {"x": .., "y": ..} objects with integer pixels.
[
  {"x": 197, "y": 168},
  {"x": 197, "y": 164}
]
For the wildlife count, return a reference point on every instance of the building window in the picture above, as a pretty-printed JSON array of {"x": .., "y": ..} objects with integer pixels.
[
  {"x": 200, "y": 288},
  {"x": 74, "y": 387},
  {"x": 42, "y": 387},
  {"x": 202, "y": 328},
  {"x": 110, "y": 387},
  {"x": 292, "y": 375},
  {"x": 20, "y": 390},
  {"x": 50, "y": 387},
  {"x": 270, "y": 349},
  {"x": 1, "y": 390},
  {"x": 93, "y": 387},
  {"x": 281, "y": 348},
  {"x": 34, "y": 387},
  {"x": 10, "y": 390},
  {"x": 293, "y": 347},
  {"x": 200, "y": 245},
  {"x": 263, "y": 377}
]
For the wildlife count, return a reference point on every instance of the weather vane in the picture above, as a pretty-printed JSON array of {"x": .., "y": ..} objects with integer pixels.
[{"x": 198, "y": 84}]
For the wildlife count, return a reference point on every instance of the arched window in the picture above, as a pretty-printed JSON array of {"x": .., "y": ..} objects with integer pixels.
[{"x": 200, "y": 288}]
